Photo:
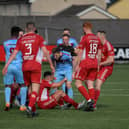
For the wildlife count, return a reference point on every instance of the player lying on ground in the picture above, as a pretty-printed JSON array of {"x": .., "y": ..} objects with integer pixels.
[
  {"x": 47, "y": 102},
  {"x": 86, "y": 69},
  {"x": 106, "y": 65}
]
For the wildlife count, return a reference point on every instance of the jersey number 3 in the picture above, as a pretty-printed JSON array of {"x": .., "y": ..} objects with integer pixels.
[{"x": 29, "y": 49}]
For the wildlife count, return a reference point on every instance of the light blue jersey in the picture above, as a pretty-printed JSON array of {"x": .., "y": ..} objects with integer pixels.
[
  {"x": 64, "y": 69},
  {"x": 65, "y": 62},
  {"x": 72, "y": 42},
  {"x": 15, "y": 67},
  {"x": 9, "y": 46}
]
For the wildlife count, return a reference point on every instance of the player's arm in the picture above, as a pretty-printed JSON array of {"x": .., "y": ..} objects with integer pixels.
[
  {"x": 77, "y": 59},
  {"x": 58, "y": 84},
  {"x": 99, "y": 58},
  {"x": 109, "y": 61},
  {"x": 12, "y": 57},
  {"x": 48, "y": 58}
]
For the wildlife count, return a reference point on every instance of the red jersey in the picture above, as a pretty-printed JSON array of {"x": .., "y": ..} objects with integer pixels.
[
  {"x": 107, "y": 50},
  {"x": 30, "y": 45},
  {"x": 44, "y": 90},
  {"x": 90, "y": 44}
]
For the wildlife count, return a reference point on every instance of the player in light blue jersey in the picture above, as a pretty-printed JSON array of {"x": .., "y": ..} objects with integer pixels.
[
  {"x": 72, "y": 41},
  {"x": 14, "y": 70},
  {"x": 64, "y": 65}
]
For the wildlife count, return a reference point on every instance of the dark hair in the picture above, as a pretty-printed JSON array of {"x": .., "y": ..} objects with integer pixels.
[
  {"x": 66, "y": 35},
  {"x": 47, "y": 73},
  {"x": 66, "y": 29},
  {"x": 102, "y": 31},
  {"x": 30, "y": 26},
  {"x": 15, "y": 31}
]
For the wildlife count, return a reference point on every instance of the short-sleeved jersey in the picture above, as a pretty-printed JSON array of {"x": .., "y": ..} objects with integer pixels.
[
  {"x": 90, "y": 44},
  {"x": 65, "y": 61},
  {"x": 44, "y": 90},
  {"x": 107, "y": 50},
  {"x": 72, "y": 42},
  {"x": 9, "y": 47},
  {"x": 30, "y": 45}
]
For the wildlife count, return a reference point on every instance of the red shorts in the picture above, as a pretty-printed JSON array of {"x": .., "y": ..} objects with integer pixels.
[
  {"x": 48, "y": 104},
  {"x": 104, "y": 73},
  {"x": 32, "y": 77},
  {"x": 84, "y": 73}
]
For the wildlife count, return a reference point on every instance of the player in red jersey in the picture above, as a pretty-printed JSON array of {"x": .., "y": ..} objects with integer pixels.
[
  {"x": 45, "y": 101},
  {"x": 86, "y": 69},
  {"x": 32, "y": 47},
  {"x": 106, "y": 65}
]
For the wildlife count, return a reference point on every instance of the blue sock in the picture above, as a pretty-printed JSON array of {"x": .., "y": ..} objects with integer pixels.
[
  {"x": 64, "y": 88},
  {"x": 23, "y": 94},
  {"x": 70, "y": 92},
  {"x": 7, "y": 94}
]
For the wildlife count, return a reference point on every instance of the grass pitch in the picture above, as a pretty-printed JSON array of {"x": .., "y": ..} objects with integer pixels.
[{"x": 112, "y": 109}]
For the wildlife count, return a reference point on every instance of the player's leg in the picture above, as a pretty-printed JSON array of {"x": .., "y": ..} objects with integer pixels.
[
  {"x": 98, "y": 85},
  {"x": 68, "y": 75},
  {"x": 59, "y": 94},
  {"x": 79, "y": 78},
  {"x": 102, "y": 75},
  {"x": 91, "y": 76},
  {"x": 8, "y": 81},
  {"x": 35, "y": 79},
  {"x": 23, "y": 88}
]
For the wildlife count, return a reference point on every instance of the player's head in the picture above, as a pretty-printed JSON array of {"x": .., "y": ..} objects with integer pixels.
[
  {"x": 87, "y": 27},
  {"x": 65, "y": 38},
  {"x": 30, "y": 27},
  {"x": 15, "y": 31},
  {"x": 67, "y": 31},
  {"x": 56, "y": 52},
  {"x": 102, "y": 35},
  {"x": 48, "y": 75}
]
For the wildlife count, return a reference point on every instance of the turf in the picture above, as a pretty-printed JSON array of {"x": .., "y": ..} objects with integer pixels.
[{"x": 112, "y": 109}]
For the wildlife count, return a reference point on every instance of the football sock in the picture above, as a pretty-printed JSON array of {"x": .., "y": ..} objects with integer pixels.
[
  {"x": 92, "y": 93},
  {"x": 32, "y": 99},
  {"x": 64, "y": 88},
  {"x": 97, "y": 94},
  {"x": 70, "y": 93},
  {"x": 23, "y": 94},
  {"x": 34, "y": 108},
  {"x": 69, "y": 100},
  {"x": 84, "y": 92},
  {"x": 7, "y": 94},
  {"x": 61, "y": 101}
]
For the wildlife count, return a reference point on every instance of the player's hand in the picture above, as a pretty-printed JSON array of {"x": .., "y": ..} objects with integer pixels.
[
  {"x": 52, "y": 68},
  {"x": 65, "y": 79},
  {"x": 4, "y": 71}
]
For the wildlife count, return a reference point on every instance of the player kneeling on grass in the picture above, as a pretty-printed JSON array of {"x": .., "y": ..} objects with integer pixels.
[{"x": 48, "y": 102}]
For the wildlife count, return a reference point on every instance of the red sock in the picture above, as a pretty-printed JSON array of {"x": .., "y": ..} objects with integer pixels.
[
  {"x": 34, "y": 108},
  {"x": 32, "y": 99},
  {"x": 97, "y": 94},
  {"x": 61, "y": 102},
  {"x": 69, "y": 100},
  {"x": 84, "y": 92},
  {"x": 92, "y": 93}
]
